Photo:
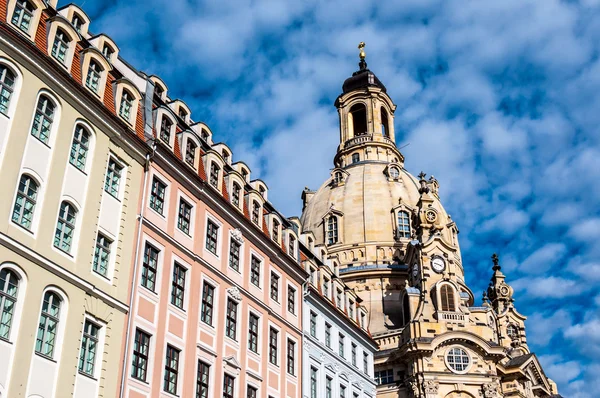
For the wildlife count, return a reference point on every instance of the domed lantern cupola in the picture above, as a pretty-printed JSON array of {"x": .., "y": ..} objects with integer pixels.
[{"x": 366, "y": 119}]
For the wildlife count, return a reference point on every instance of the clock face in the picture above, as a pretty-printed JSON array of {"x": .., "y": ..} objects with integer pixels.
[
  {"x": 415, "y": 270},
  {"x": 438, "y": 264}
]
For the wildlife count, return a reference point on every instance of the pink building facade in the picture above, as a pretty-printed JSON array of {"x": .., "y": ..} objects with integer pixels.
[{"x": 217, "y": 286}]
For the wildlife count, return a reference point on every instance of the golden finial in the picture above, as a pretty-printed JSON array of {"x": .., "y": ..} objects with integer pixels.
[{"x": 361, "y": 47}]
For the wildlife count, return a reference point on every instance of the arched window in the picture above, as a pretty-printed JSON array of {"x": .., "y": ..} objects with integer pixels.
[
  {"x": 77, "y": 22},
  {"x": 447, "y": 298},
  {"x": 190, "y": 152},
  {"x": 23, "y": 15},
  {"x": 235, "y": 197},
  {"x": 65, "y": 227},
  {"x": 291, "y": 245},
  {"x": 359, "y": 119},
  {"x": 9, "y": 285},
  {"x": 42, "y": 122},
  {"x": 7, "y": 85},
  {"x": 126, "y": 105},
  {"x": 107, "y": 51},
  {"x": 405, "y": 310},
  {"x": 25, "y": 202},
  {"x": 94, "y": 74},
  {"x": 355, "y": 158},
  {"x": 60, "y": 46},
  {"x": 275, "y": 233},
  {"x": 158, "y": 91},
  {"x": 214, "y": 174},
  {"x": 225, "y": 156},
  {"x": 48, "y": 326},
  {"x": 403, "y": 224},
  {"x": 80, "y": 147},
  {"x": 332, "y": 230},
  {"x": 512, "y": 331},
  {"x": 338, "y": 177},
  {"x": 255, "y": 212},
  {"x": 385, "y": 127},
  {"x": 165, "y": 129},
  {"x": 394, "y": 173},
  {"x": 204, "y": 135}
]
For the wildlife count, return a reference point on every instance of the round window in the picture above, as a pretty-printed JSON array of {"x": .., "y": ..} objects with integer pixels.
[
  {"x": 394, "y": 173},
  {"x": 458, "y": 360}
]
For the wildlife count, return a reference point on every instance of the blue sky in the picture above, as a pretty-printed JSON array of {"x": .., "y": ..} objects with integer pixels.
[{"x": 498, "y": 99}]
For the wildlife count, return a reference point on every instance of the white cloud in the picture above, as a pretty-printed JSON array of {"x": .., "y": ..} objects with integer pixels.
[
  {"x": 543, "y": 258},
  {"x": 550, "y": 287},
  {"x": 541, "y": 328}
]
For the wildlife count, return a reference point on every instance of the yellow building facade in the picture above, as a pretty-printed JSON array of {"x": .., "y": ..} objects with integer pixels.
[{"x": 392, "y": 241}]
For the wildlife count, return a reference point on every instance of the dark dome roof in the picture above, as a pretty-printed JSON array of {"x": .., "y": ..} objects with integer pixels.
[{"x": 362, "y": 78}]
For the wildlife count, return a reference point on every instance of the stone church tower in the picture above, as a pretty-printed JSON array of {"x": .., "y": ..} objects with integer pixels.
[{"x": 391, "y": 240}]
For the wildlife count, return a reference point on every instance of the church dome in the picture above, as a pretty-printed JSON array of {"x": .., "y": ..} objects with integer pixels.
[{"x": 361, "y": 79}]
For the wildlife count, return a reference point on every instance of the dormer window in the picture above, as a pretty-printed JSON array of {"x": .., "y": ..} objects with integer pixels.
[
  {"x": 107, "y": 51},
  {"x": 255, "y": 212},
  {"x": 23, "y": 15},
  {"x": 203, "y": 134},
  {"x": 77, "y": 23},
  {"x": 158, "y": 90},
  {"x": 310, "y": 243},
  {"x": 394, "y": 172},
  {"x": 403, "y": 224},
  {"x": 332, "y": 230},
  {"x": 165, "y": 129},
  {"x": 292, "y": 245},
  {"x": 338, "y": 177},
  {"x": 214, "y": 175},
  {"x": 94, "y": 75},
  {"x": 183, "y": 114},
  {"x": 190, "y": 152},
  {"x": 245, "y": 174},
  {"x": 275, "y": 230},
  {"x": 236, "y": 191},
  {"x": 225, "y": 156},
  {"x": 355, "y": 158},
  {"x": 126, "y": 105},
  {"x": 261, "y": 189},
  {"x": 60, "y": 46}
]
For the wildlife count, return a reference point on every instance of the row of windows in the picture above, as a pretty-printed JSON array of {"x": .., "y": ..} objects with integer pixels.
[
  {"x": 141, "y": 354},
  {"x": 150, "y": 268},
  {"x": 51, "y": 315},
  {"x": 314, "y": 387},
  {"x": 313, "y": 320},
  {"x": 332, "y": 232}
]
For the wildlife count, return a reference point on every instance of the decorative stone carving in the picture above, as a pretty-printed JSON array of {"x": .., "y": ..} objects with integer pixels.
[
  {"x": 236, "y": 234},
  {"x": 431, "y": 387},
  {"x": 234, "y": 293},
  {"x": 490, "y": 390},
  {"x": 413, "y": 387}
]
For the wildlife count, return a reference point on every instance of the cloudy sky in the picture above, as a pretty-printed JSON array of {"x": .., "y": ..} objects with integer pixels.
[{"x": 498, "y": 99}]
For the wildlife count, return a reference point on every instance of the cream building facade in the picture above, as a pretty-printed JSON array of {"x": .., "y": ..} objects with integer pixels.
[
  {"x": 393, "y": 242},
  {"x": 71, "y": 169}
]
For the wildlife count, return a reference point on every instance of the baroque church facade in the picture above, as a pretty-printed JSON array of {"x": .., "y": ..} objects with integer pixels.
[{"x": 390, "y": 239}]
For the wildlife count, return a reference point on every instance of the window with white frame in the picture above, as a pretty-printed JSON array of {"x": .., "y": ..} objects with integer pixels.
[
  {"x": 65, "y": 227},
  {"x": 353, "y": 354},
  {"x": 77, "y": 22},
  {"x": 341, "y": 348},
  {"x": 228, "y": 386},
  {"x": 25, "y": 202},
  {"x": 184, "y": 217},
  {"x": 236, "y": 192},
  {"x": 157, "y": 195},
  {"x": 43, "y": 119},
  {"x": 394, "y": 173},
  {"x": 255, "y": 212},
  {"x": 384, "y": 377},
  {"x": 403, "y": 224},
  {"x": 328, "y": 387},
  {"x": 171, "y": 370},
  {"x": 231, "y": 319},
  {"x": 113, "y": 177},
  {"x": 23, "y": 14},
  {"x": 102, "y": 254},
  {"x": 202, "y": 380},
  {"x": 89, "y": 348},
  {"x": 48, "y": 326},
  {"x": 327, "y": 335},
  {"x": 214, "y": 174},
  {"x": 9, "y": 287},
  {"x": 313, "y": 382},
  {"x": 332, "y": 230},
  {"x": 273, "y": 345},
  {"x": 141, "y": 353},
  {"x": 150, "y": 267},
  {"x": 365, "y": 362},
  {"x": 126, "y": 106},
  {"x": 178, "y": 285},
  {"x": 165, "y": 129},
  {"x": 326, "y": 287},
  {"x": 291, "y": 245},
  {"x": 80, "y": 147},
  {"x": 107, "y": 51},
  {"x": 255, "y": 270},
  {"x": 234, "y": 254},
  {"x": 458, "y": 360},
  {"x": 7, "y": 86},
  {"x": 60, "y": 47},
  {"x": 291, "y": 298},
  {"x": 190, "y": 152},
  {"x": 212, "y": 236},
  {"x": 208, "y": 301},
  {"x": 253, "y": 333},
  {"x": 252, "y": 392},
  {"x": 351, "y": 309},
  {"x": 313, "y": 324},
  {"x": 94, "y": 75},
  {"x": 274, "y": 286},
  {"x": 291, "y": 357},
  {"x": 275, "y": 232},
  {"x": 342, "y": 391}
]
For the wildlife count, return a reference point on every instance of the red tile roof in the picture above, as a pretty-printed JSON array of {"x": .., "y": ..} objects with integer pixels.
[{"x": 40, "y": 36}]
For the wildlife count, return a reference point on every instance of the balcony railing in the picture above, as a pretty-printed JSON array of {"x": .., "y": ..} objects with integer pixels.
[
  {"x": 452, "y": 317},
  {"x": 367, "y": 138}
]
